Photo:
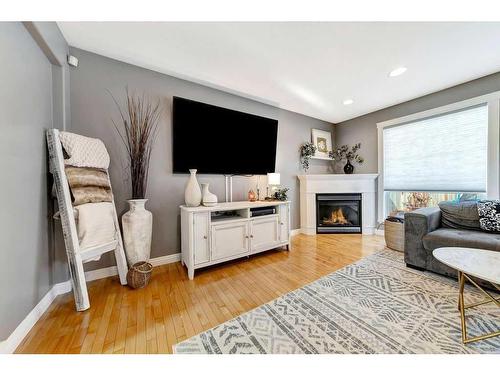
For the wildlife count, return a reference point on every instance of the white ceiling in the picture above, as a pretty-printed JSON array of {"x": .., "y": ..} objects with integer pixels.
[{"x": 309, "y": 68}]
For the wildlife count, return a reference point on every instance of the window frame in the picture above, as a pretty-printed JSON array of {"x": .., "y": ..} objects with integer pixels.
[{"x": 492, "y": 100}]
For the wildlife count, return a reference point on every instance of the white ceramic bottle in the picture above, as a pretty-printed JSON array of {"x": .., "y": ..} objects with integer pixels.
[
  {"x": 192, "y": 194},
  {"x": 208, "y": 199}
]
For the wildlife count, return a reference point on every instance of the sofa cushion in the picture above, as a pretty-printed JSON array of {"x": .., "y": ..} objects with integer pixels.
[
  {"x": 444, "y": 237},
  {"x": 459, "y": 215},
  {"x": 489, "y": 215}
]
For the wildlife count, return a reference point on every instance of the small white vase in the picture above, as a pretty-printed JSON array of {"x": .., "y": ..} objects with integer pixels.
[
  {"x": 137, "y": 225},
  {"x": 192, "y": 194},
  {"x": 209, "y": 199}
]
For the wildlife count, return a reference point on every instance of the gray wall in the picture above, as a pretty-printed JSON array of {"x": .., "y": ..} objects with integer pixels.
[
  {"x": 51, "y": 41},
  {"x": 92, "y": 109},
  {"x": 364, "y": 129},
  {"x": 26, "y": 111}
]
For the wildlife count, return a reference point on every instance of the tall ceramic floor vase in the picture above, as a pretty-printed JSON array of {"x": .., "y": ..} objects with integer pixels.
[
  {"x": 208, "y": 199},
  {"x": 137, "y": 225},
  {"x": 192, "y": 194}
]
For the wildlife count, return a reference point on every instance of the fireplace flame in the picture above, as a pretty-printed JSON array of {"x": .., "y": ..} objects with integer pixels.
[{"x": 336, "y": 217}]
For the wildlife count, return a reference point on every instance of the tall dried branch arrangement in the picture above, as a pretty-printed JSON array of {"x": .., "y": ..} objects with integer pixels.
[{"x": 138, "y": 130}]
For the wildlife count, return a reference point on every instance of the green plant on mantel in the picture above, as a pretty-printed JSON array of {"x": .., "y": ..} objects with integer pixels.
[
  {"x": 347, "y": 153},
  {"x": 307, "y": 150}
]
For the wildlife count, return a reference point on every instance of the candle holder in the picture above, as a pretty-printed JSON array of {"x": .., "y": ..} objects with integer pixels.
[{"x": 251, "y": 196}]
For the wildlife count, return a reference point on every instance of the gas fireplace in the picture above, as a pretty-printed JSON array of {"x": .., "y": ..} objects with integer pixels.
[{"x": 338, "y": 213}]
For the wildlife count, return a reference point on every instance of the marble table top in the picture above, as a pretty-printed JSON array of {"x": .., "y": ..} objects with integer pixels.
[{"x": 484, "y": 264}]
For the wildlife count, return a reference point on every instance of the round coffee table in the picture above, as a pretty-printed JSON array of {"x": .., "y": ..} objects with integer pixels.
[{"x": 482, "y": 264}]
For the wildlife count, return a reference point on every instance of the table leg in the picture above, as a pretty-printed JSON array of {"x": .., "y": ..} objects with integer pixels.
[
  {"x": 462, "y": 307},
  {"x": 461, "y": 304}
]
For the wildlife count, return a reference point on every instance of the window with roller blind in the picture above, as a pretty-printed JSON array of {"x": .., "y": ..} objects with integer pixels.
[{"x": 437, "y": 158}]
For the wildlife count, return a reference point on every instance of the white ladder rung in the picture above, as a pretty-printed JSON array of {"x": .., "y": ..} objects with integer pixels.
[{"x": 94, "y": 251}]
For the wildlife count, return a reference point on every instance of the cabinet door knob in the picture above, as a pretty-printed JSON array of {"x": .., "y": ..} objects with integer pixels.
[
  {"x": 281, "y": 224},
  {"x": 251, "y": 236},
  {"x": 205, "y": 237}
]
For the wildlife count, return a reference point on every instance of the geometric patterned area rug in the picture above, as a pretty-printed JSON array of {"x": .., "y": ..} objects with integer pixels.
[{"x": 376, "y": 305}]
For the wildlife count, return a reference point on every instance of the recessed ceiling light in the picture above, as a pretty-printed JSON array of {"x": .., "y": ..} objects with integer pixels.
[
  {"x": 398, "y": 71},
  {"x": 348, "y": 102}
]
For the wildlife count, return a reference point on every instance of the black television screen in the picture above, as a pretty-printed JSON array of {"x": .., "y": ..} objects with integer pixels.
[{"x": 216, "y": 140}]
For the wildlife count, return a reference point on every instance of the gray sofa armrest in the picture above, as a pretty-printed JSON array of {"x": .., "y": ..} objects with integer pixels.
[{"x": 417, "y": 224}]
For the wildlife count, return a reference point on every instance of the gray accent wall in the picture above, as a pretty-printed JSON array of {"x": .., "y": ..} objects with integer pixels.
[
  {"x": 92, "y": 110},
  {"x": 364, "y": 128},
  {"x": 27, "y": 95},
  {"x": 51, "y": 41}
]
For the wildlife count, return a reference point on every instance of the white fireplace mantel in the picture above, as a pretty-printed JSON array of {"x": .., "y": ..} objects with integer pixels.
[{"x": 312, "y": 184}]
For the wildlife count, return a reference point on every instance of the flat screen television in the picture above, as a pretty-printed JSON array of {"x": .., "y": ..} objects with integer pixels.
[{"x": 216, "y": 140}]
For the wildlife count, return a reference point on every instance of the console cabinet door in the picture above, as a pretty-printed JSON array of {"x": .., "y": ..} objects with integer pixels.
[
  {"x": 201, "y": 245},
  {"x": 284, "y": 222},
  {"x": 230, "y": 240},
  {"x": 264, "y": 234}
]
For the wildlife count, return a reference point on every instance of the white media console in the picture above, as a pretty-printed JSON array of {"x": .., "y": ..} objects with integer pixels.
[{"x": 211, "y": 235}]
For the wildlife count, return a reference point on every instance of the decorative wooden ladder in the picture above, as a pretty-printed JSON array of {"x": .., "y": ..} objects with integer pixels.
[{"x": 76, "y": 256}]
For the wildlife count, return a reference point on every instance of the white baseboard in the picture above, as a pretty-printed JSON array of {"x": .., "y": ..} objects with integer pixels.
[
  {"x": 172, "y": 258},
  {"x": 101, "y": 273},
  {"x": 379, "y": 232},
  {"x": 12, "y": 342},
  {"x": 294, "y": 232},
  {"x": 63, "y": 287},
  {"x": 308, "y": 231}
]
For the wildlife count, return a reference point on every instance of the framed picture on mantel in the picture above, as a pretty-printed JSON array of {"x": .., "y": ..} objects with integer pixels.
[{"x": 323, "y": 142}]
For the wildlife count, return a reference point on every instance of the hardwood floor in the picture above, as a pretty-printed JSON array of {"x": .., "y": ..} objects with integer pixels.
[{"x": 172, "y": 307}]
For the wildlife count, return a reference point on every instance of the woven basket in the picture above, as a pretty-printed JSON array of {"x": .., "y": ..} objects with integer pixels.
[
  {"x": 139, "y": 274},
  {"x": 394, "y": 234}
]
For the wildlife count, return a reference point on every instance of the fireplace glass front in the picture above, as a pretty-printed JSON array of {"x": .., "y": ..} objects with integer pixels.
[{"x": 338, "y": 213}]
